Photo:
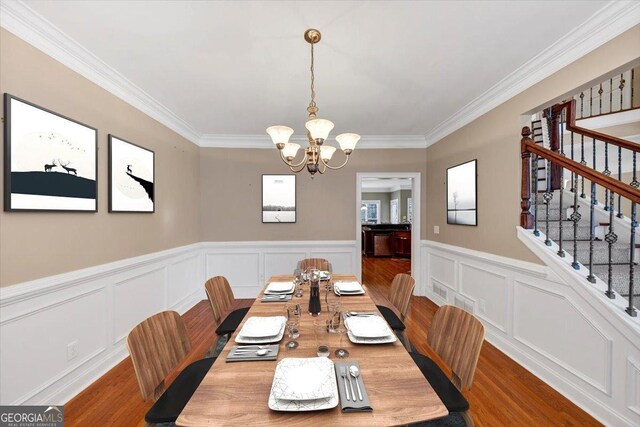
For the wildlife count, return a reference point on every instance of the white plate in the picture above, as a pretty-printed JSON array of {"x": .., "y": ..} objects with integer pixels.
[
  {"x": 368, "y": 327},
  {"x": 384, "y": 340},
  {"x": 293, "y": 388},
  {"x": 349, "y": 287},
  {"x": 340, "y": 293},
  {"x": 264, "y": 340},
  {"x": 261, "y": 327},
  {"x": 280, "y": 287}
]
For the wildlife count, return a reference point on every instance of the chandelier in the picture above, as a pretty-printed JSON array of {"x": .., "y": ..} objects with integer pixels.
[{"x": 316, "y": 156}]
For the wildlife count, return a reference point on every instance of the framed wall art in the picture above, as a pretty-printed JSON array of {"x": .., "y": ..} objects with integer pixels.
[
  {"x": 278, "y": 198},
  {"x": 131, "y": 177},
  {"x": 462, "y": 194},
  {"x": 50, "y": 161}
]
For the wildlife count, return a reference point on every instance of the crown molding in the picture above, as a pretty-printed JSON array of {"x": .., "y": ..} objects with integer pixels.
[
  {"x": 607, "y": 23},
  {"x": 263, "y": 141},
  {"x": 21, "y": 20}
]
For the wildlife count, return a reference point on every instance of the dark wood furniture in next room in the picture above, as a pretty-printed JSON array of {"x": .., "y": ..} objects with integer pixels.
[{"x": 386, "y": 240}]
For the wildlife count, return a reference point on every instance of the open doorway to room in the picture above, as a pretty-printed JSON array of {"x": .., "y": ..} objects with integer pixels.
[{"x": 387, "y": 226}]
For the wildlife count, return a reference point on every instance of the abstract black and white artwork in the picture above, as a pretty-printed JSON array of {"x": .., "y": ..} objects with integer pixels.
[
  {"x": 462, "y": 204},
  {"x": 131, "y": 177},
  {"x": 50, "y": 161},
  {"x": 279, "y": 198}
]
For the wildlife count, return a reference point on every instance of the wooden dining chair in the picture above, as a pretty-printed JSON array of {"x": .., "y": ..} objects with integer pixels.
[
  {"x": 400, "y": 293},
  {"x": 456, "y": 336},
  {"x": 221, "y": 299},
  {"x": 318, "y": 263},
  {"x": 157, "y": 345}
]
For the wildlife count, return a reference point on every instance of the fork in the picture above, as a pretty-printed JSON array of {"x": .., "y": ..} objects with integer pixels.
[{"x": 343, "y": 374}]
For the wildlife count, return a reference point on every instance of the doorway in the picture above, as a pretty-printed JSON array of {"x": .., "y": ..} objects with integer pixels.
[{"x": 387, "y": 225}]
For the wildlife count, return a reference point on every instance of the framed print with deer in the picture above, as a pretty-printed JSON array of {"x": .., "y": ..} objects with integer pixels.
[
  {"x": 462, "y": 194},
  {"x": 50, "y": 161},
  {"x": 131, "y": 177}
]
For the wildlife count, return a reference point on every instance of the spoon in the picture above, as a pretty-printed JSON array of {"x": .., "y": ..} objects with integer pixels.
[
  {"x": 275, "y": 296},
  {"x": 260, "y": 352},
  {"x": 355, "y": 372},
  {"x": 356, "y": 313}
]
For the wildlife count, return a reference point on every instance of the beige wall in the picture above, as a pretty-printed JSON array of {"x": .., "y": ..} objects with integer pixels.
[
  {"x": 493, "y": 139},
  {"x": 35, "y": 245},
  {"x": 231, "y": 194}
]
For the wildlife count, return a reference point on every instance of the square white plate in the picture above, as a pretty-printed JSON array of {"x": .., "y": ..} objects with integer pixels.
[
  {"x": 265, "y": 340},
  {"x": 280, "y": 287},
  {"x": 384, "y": 340},
  {"x": 349, "y": 287},
  {"x": 261, "y": 327},
  {"x": 304, "y": 384},
  {"x": 368, "y": 327}
]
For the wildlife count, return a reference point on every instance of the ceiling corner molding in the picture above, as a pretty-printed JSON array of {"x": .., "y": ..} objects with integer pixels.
[
  {"x": 263, "y": 141},
  {"x": 19, "y": 19},
  {"x": 607, "y": 23}
]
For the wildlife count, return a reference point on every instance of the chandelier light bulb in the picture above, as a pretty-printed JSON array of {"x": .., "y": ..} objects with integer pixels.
[
  {"x": 326, "y": 152},
  {"x": 280, "y": 134},
  {"x": 348, "y": 141},
  {"x": 290, "y": 150},
  {"x": 319, "y": 128}
]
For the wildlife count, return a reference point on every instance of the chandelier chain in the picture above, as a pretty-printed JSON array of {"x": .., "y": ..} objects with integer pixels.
[{"x": 313, "y": 90}]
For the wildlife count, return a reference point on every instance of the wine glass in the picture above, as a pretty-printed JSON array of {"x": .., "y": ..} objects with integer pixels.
[
  {"x": 298, "y": 280},
  {"x": 341, "y": 329},
  {"x": 333, "y": 307},
  {"x": 292, "y": 312}
]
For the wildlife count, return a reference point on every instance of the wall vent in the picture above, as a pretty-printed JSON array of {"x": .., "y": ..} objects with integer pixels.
[
  {"x": 463, "y": 303},
  {"x": 440, "y": 291}
]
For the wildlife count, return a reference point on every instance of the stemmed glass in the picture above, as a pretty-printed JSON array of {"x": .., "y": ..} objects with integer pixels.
[
  {"x": 292, "y": 312},
  {"x": 341, "y": 330},
  {"x": 298, "y": 280}
]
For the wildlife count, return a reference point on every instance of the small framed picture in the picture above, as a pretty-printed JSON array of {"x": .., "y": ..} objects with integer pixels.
[
  {"x": 462, "y": 194},
  {"x": 278, "y": 198},
  {"x": 131, "y": 177},
  {"x": 50, "y": 161}
]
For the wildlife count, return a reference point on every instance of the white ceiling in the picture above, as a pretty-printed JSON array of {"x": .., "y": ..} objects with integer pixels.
[{"x": 382, "y": 68}]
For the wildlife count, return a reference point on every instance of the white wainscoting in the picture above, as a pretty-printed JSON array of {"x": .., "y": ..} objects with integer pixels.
[
  {"x": 97, "y": 307},
  {"x": 559, "y": 333},
  {"x": 248, "y": 265}
]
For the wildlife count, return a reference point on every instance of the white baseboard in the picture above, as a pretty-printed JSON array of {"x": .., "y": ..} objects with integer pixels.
[
  {"x": 97, "y": 307},
  {"x": 544, "y": 324}
]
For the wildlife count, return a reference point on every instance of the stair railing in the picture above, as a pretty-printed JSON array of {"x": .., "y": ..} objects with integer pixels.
[
  {"x": 561, "y": 120},
  {"x": 612, "y": 95}
]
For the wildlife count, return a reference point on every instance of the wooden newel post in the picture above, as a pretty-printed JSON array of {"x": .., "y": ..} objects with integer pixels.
[{"x": 526, "y": 218}]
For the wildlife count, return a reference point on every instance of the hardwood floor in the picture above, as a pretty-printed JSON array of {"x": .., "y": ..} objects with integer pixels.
[{"x": 503, "y": 394}]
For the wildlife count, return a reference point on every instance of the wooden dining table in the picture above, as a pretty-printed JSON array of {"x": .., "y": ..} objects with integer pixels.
[{"x": 236, "y": 393}]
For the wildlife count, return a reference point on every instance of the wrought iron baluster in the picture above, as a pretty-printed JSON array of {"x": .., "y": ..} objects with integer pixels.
[
  {"x": 600, "y": 91},
  {"x": 548, "y": 195},
  {"x": 611, "y": 95},
  {"x": 583, "y": 163},
  {"x": 594, "y": 195},
  {"x": 561, "y": 214},
  {"x": 621, "y": 87},
  {"x": 581, "y": 104},
  {"x": 619, "y": 215},
  {"x": 590, "y": 101},
  {"x": 592, "y": 229},
  {"x": 611, "y": 237},
  {"x": 534, "y": 188},
  {"x": 608, "y": 173},
  {"x": 634, "y": 224},
  {"x": 575, "y": 215}
]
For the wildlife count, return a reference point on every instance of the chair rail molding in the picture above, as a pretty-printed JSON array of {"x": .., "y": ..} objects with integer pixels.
[{"x": 564, "y": 334}]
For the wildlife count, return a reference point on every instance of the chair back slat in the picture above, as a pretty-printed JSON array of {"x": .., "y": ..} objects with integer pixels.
[
  {"x": 157, "y": 345},
  {"x": 318, "y": 263},
  {"x": 400, "y": 293},
  {"x": 457, "y": 336},
  {"x": 220, "y": 297}
]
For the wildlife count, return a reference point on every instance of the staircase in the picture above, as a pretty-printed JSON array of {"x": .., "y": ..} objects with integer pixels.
[
  {"x": 620, "y": 253},
  {"x": 597, "y": 240}
]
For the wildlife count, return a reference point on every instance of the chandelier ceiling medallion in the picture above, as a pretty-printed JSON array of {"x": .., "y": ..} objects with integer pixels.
[{"x": 316, "y": 156}]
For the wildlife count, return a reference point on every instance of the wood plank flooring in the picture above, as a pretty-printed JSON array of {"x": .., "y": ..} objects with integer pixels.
[{"x": 503, "y": 394}]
